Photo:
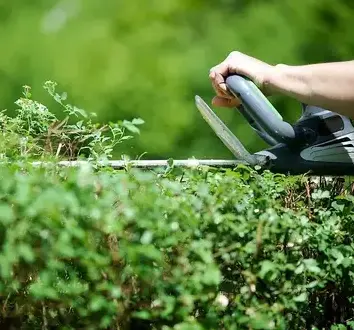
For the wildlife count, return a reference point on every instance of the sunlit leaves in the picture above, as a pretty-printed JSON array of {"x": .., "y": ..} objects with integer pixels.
[{"x": 35, "y": 132}]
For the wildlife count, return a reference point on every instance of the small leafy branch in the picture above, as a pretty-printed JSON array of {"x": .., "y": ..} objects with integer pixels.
[{"x": 35, "y": 132}]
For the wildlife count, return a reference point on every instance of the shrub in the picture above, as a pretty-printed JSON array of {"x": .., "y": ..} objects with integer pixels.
[
  {"x": 200, "y": 248},
  {"x": 36, "y": 133}
]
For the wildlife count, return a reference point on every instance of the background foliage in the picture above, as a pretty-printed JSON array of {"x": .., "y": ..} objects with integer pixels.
[{"x": 147, "y": 59}]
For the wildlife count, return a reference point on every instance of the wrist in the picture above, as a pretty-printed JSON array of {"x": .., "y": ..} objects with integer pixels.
[
  {"x": 274, "y": 76},
  {"x": 294, "y": 81}
]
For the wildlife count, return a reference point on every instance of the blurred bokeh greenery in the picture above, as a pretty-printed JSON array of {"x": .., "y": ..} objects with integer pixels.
[{"x": 149, "y": 58}]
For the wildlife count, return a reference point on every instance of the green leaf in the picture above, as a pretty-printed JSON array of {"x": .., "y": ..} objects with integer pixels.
[
  {"x": 97, "y": 303},
  {"x": 138, "y": 121},
  {"x": 64, "y": 96},
  {"x": 311, "y": 266},
  {"x": 170, "y": 162},
  {"x": 212, "y": 276},
  {"x": 25, "y": 251},
  {"x": 266, "y": 267},
  {"x": 6, "y": 214},
  {"x": 320, "y": 194},
  {"x": 144, "y": 315},
  {"x": 131, "y": 127},
  {"x": 261, "y": 321},
  {"x": 301, "y": 297},
  {"x": 146, "y": 238},
  {"x": 338, "y": 327}
]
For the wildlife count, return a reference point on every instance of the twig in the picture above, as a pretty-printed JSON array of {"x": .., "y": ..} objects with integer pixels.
[
  {"x": 5, "y": 304},
  {"x": 58, "y": 150},
  {"x": 45, "y": 321}
]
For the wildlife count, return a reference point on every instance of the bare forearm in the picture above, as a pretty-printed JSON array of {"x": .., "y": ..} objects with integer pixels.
[{"x": 327, "y": 85}]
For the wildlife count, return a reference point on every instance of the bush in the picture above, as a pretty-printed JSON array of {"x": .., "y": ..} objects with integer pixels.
[{"x": 201, "y": 248}]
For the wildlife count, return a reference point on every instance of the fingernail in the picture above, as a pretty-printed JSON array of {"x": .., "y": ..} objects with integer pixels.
[
  {"x": 212, "y": 74},
  {"x": 223, "y": 87}
]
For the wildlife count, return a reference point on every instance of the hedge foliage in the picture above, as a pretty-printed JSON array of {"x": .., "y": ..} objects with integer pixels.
[{"x": 200, "y": 248}]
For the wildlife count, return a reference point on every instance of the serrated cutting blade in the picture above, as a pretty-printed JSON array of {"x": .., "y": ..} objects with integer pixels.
[{"x": 224, "y": 133}]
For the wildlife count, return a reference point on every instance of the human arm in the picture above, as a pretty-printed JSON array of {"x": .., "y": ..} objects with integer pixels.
[{"x": 327, "y": 85}]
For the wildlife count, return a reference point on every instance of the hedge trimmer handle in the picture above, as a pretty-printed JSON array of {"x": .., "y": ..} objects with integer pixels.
[
  {"x": 259, "y": 112},
  {"x": 266, "y": 137}
]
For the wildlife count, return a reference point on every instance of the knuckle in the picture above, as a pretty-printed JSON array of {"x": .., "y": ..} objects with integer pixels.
[
  {"x": 215, "y": 68},
  {"x": 234, "y": 54}
]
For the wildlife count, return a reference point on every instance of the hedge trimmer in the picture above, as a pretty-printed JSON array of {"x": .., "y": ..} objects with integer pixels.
[{"x": 321, "y": 142}]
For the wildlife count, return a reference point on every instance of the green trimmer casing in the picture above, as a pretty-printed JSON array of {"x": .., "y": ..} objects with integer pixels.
[{"x": 321, "y": 142}]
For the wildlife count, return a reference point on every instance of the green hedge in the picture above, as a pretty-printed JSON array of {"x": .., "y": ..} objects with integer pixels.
[{"x": 200, "y": 248}]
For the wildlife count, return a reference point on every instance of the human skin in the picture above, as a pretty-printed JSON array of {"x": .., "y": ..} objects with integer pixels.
[{"x": 326, "y": 85}]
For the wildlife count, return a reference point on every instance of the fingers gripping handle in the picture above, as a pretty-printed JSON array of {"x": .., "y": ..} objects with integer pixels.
[{"x": 258, "y": 107}]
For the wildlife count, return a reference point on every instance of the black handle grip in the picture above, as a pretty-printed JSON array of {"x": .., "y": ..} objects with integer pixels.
[{"x": 258, "y": 107}]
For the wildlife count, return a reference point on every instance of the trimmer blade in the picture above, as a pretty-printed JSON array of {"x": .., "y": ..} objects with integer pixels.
[{"x": 223, "y": 132}]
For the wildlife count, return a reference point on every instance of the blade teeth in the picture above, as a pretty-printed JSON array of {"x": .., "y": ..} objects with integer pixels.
[{"x": 223, "y": 132}]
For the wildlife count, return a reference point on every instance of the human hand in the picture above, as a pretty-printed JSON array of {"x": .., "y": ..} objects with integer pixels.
[{"x": 236, "y": 63}]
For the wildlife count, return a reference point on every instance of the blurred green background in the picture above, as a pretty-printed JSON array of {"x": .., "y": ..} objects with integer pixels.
[{"x": 149, "y": 58}]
